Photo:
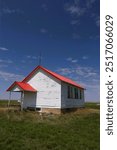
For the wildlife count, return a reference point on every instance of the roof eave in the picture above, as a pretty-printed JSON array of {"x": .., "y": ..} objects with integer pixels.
[{"x": 16, "y": 83}]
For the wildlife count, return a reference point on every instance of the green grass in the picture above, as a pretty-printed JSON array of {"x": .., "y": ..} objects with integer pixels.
[
  {"x": 92, "y": 105},
  {"x": 30, "y": 131},
  {"x": 4, "y": 103}
]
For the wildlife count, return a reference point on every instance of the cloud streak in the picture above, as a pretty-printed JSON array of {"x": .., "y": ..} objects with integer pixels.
[
  {"x": 75, "y": 22},
  {"x": 6, "y": 61},
  {"x": 3, "y": 65},
  {"x": 89, "y": 3},
  {"x": 3, "y": 49},
  {"x": 43, "y": 30},
  {"x": 11, "y": 11},
  {"x": 77, "y": 9},
  {"x": 97, "y": 20},
  {"x": 44, "y": 7},
  {"x": 79, "y": 72},
  {"x": 31, "y": 57},
  {"x": 10, "y": 76},
  {"x": 72, "y": 60},
  {"x": 88, "y": 77},
  {"x": 85, "y": 57}
]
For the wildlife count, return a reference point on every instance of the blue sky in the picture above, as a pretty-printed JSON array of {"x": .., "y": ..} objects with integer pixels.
[{"x": 66, "y": 32}]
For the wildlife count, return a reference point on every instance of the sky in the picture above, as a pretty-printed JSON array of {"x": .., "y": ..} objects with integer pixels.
[{"x": 65, "y": 33}]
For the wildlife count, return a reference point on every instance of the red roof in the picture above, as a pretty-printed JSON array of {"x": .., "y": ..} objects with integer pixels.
[
  {"x": 60, "y": 77},
  {"x": 23, "y": 86}
]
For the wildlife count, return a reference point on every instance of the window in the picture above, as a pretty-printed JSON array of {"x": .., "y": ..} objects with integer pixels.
[
  {"x": 76, "y": 93},
  {"x": 70, "y": 92},
  {"x": 80, "y": 94},
  {"x": 73, "y": 93}
]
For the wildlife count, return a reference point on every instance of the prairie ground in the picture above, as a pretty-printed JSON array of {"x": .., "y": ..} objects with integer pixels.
[{"x": 28, "y": 130}]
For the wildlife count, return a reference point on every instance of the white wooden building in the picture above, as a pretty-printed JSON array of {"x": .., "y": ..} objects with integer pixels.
[{"x": 48, "y": 91}]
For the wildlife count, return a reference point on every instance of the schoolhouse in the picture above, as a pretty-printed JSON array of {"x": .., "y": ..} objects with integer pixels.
[{"x": 48, "y": 91}]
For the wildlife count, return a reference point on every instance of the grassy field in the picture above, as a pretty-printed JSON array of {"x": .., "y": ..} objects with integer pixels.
[{"x": 28, "y": 130}]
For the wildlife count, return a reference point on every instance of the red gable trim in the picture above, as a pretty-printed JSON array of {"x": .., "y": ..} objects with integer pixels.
[
  {"x": 61, "y": 78},
  {"x": 23, "y": 86}
]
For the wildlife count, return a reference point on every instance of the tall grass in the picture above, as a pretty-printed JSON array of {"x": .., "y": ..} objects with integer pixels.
[{"x": 30, "y": 131}]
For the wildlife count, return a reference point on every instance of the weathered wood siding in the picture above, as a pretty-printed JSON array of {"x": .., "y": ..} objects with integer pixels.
[
  {"x": 68, "y": 102},
  {"x": 16, "y": 88},
  {"x": 48, "y": 90},
  {"x": 29, "y": 99}
]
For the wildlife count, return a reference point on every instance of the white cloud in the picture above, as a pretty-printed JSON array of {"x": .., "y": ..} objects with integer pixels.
[
  {"x": 31, "y": 57},
  {"x": 8, "y": 11},
  {"x": 96, "y": 18},
  {"x": 23, "y": 61},
  {"x": 43, "y": 30},
  {"x": 74, "y": 61},
  {"x": 71, "y": 60},
  {"x": 79, "y": 71},
  {"x": 3, "y": 65},
  {"x": 34, "y": 57},
  {"x": 6, "y": 61},
  {"x": 44, "y": 7},
  {"x": 94, "y": 37},
  {"x": 89, "y": 3},
  {"x": 28, "y": 56},
  {"x": 10, "y": 76},
  {"x": 65, "y": 71},
  {"x": 85, "y": 57},
  {"x": 98, "y": 21},
  {"x": 3, "y": 49},
  {"x": 11, "y": 11},
  {"x": 75, "y": 9},
  {"x": 86, "y": 72},
  {"x": 88, "y": 77},
  {"x": 75, "y": 22}
]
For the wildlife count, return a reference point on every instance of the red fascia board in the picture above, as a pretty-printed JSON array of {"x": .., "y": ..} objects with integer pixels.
[
  {"x": 59, "y": 77},
  {"x": 11, "y": 86}
]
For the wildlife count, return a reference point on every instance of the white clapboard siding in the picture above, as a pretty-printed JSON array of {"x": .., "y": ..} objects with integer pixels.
[
  {"x": 16, "y": 88},
  {"x": 48, "y": 90},
  {"x": 29, "y": 99}
]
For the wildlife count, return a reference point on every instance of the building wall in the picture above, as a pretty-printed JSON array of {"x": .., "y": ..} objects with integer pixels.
[
  {"x": 68, "y": 102},
  {"x": 16, "y": 88},
  {"x": 48, "y": 90},
  {"x": 29, "y": 99}
]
